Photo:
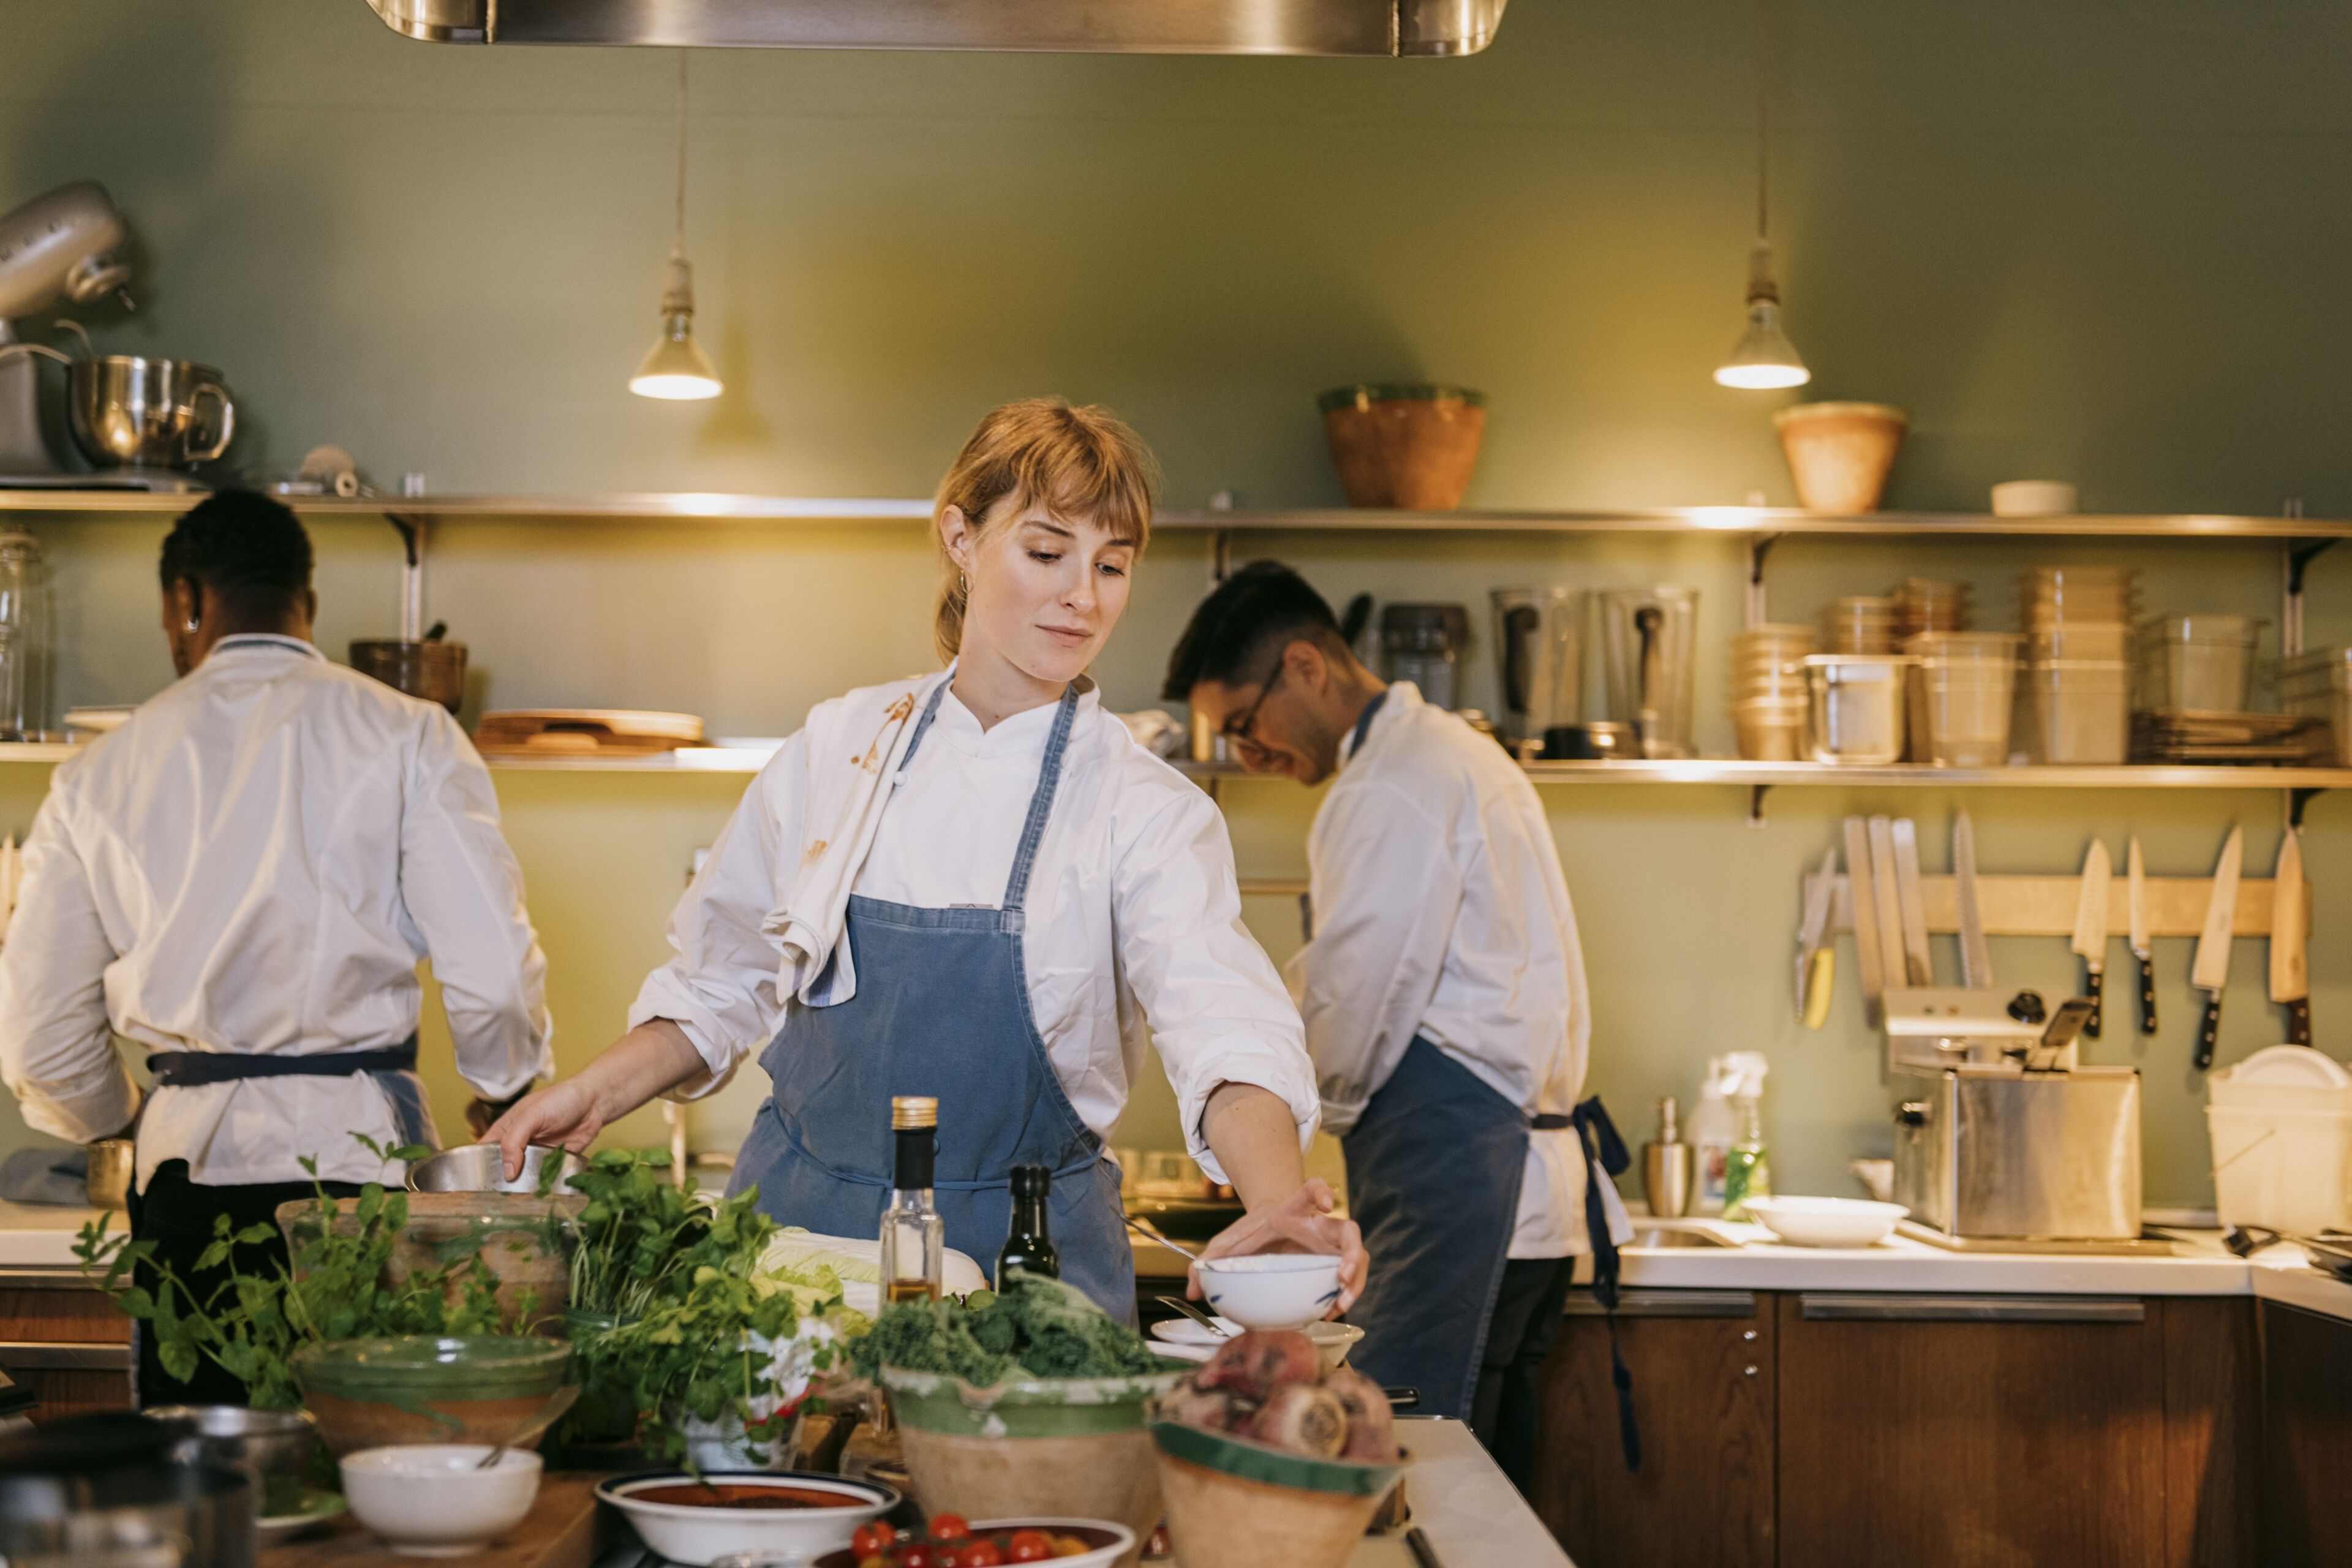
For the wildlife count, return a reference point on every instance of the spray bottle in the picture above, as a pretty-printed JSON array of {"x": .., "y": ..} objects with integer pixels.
[
  {"x": 1748, "y": 1168},
  {"x": 1710, "y": 1136}
]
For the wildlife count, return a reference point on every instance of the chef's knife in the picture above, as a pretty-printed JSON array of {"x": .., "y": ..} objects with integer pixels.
[
  {"x": 2141, "y": 949},
  {"x": 1860, "y": 887},
  {"x": 1886, "y": 898},
  {"x": 1911, "y": 902},
  {"x": 2290, "y": 974},
  {"x": 2211, "y": 970},
  {"x": 1816, "y": 959},
  {"x": 1975, "y": 958},
  {"x": 2091, "y": 927}
]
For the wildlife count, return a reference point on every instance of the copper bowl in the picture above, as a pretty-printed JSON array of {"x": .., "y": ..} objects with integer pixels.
[{"x": 435, "y": 671}]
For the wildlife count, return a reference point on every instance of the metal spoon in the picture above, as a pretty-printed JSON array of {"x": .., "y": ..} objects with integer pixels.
[
  {"x": 1198, "y": 1316},
  {"x": 550, "y": 1413},
  {"x": 1144, "y": 1228}
]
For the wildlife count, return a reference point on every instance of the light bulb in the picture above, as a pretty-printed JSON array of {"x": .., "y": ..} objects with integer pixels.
[
  {"x": 1763, "y": 358},
  {"x": 675, "y": 368}
]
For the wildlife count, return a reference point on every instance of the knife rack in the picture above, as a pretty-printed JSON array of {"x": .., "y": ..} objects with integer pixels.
[{"x": 2044, "y": 905}]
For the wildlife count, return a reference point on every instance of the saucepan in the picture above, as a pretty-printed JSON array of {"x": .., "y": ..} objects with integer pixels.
[
  {"x": 127, "y": 411},
  {"x": 481, "y": 1168}
]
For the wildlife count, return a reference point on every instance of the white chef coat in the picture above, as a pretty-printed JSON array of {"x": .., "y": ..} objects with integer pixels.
[
  {"x": 1133, "y": 931},
  {"x": 255, "y": 862},
  {"x": 1440, "y": 910}
]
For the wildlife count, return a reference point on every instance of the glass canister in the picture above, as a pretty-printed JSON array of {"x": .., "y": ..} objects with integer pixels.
[
  {"x": 1424, "y": 644},
  {"x": 23, "y": 638},
  {"x": 1648, "y": 636}
]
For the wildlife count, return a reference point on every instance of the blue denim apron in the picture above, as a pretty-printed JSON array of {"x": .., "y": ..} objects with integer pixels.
[{"x": 943, "y": 1009}]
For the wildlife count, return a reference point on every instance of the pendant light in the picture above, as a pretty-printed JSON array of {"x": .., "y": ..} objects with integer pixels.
[
  {"x": 1763, "y": 358},
  {"x": 676, "y": 367}
]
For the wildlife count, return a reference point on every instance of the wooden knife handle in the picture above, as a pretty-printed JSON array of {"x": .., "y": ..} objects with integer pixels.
[
  {"x": 2095, "y": 987},
  {"x": 2148, "y": 996},
  {"x": 2208, "y": 1030},
  {"x": 2298, "y": 1021}
]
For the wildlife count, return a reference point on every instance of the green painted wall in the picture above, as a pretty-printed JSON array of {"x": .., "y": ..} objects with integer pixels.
[{"x": 2094, "y": 243}]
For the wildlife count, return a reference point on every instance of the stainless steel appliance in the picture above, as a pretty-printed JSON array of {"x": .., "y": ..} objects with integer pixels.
[
  {"x": 1539, "y": 640},
  {"x": 1647, "y": 639},
  {"x": 2003, "y": 1140},
  {"x": 128, "y": 412},
  {"x": 1423, "y": 643},
  {"x": 1376, "y": 27},
  {"x": 118, "y": 1491}
]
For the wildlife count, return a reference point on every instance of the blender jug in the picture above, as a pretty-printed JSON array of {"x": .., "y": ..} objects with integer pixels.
[
  {"x": 1540, "y": 642},
  {"x": 1647, "y": 637},
  {"x": 1423, "y": 643}
]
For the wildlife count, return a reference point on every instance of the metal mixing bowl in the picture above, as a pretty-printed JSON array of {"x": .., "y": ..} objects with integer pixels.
[
  {"x": 130, "y": 412},
  {"x": 481, "y": 1168},
  {"x": 274, "y": 1442}
]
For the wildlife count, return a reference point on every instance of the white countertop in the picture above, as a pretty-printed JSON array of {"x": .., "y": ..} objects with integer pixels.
[
  {"x": 2200, "y": 1266},
  {"x": 37, "y": 1235},
  {"x": 1470, "y": 1512}
]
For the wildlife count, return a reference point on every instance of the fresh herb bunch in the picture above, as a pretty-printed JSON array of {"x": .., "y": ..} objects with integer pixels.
[
  {"x": 251, "y": 1324},
  {"x": 638, "y": 1230},
  {"x": 1035, "y": 1325}
]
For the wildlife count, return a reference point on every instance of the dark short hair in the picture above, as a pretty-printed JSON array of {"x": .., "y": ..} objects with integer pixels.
[
  {"x": 1239, "y": 627},
  {"x": 250, "y": 551}
]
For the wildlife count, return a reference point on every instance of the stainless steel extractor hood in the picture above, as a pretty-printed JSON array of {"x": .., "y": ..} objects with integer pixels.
[{"x": 1376, "y": 27}]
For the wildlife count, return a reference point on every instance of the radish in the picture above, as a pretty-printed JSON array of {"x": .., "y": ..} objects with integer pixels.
[
  {"x": 1255, "y": 1365},
  {"x": 1303, "y": 1419}
]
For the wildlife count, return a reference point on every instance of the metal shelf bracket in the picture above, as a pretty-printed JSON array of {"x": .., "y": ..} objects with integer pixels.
[
  {"x": 2296, "y": 799},
  {"x": 1756, "y": 805}
]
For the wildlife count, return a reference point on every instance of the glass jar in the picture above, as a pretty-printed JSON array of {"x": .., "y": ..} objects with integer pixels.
[{"x": 25, "y": 636}]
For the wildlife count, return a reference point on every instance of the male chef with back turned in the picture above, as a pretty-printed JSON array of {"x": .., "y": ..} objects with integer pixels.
[
  {"x": 1444, "y": 994},
  {"x": 242, "y": 880}
]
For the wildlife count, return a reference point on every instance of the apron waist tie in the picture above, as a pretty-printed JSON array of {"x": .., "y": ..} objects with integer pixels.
[
  {"x": 186, "y": 1070},
  {"x": 1552, "y": 1121},
  {"x": 1067, "y": 1173},
  {"x": 1605, "y": 1155}
]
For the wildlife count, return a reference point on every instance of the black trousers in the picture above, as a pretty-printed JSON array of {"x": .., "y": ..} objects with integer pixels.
[
  {"x": 177, "y": 1215},
  {"x": 1519, "y": 1336}
]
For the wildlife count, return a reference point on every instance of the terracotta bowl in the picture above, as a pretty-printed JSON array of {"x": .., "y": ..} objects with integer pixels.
[
  {"x": 386, "y": 1392},
  {"x": 1407, "y": 447}
]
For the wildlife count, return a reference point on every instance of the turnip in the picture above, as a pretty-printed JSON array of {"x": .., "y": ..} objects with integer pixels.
[
  {"x": 1371, "y": 1426},
  {"x": 1303, "y": 1419},
  {"x": 1256, "y": 1364}
]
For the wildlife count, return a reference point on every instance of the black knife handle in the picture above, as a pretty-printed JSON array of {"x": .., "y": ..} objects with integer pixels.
[
  {"x": 2298, "y": 1021},
  {"x": 2208, "y": 1031},
  {"x": 2148, "y": 996},
  {"x": 2094, "y": 986}
]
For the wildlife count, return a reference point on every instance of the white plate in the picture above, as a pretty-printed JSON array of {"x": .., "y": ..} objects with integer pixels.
[
  {"x": 319, "y": 1507},
  {"x": 1188, "y": 1340},
  {"x": 1826, "y": 1222}
]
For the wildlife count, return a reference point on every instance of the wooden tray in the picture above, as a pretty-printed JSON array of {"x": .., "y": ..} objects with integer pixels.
[{"x": 561, "y": 1531}]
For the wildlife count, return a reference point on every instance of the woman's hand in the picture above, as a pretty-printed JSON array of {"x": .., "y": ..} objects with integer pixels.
[
  {"x": 651, "y": 1057},
  {"x": 1301, "y": 1223}
]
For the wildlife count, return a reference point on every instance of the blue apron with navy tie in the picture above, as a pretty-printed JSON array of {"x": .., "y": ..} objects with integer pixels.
[{"x": 942, "y": 1009}]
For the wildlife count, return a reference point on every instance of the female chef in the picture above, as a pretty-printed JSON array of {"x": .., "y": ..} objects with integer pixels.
[{"x": 976, "y": 886}]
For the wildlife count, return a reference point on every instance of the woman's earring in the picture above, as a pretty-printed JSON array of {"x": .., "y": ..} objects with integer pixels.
[
  {"x": 192, "y": 625},
  {"x": 964, "y": 577}
]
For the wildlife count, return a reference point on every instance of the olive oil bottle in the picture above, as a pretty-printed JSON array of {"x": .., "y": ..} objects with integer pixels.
[{"x": 914, "y": 1237}]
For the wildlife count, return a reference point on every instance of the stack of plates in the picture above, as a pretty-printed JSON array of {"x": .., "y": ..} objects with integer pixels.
[{"x": 2280, "y": 739}]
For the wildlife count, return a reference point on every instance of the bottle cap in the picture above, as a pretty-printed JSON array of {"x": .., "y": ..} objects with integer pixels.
[
  {"x": 1032, "y": 1181},
  {"x": 912, "y": 1112}
]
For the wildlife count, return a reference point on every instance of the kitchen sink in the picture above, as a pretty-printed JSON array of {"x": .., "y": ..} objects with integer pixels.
[{"x": 1662, "y": 1236}]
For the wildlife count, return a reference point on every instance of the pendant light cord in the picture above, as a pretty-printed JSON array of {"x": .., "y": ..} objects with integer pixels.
[
  {"x": 678, "y": 242},
  {"x": 1763, "y": 118}
]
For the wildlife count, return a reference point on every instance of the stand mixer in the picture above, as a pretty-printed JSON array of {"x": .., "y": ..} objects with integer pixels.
[{"x": 138, "y": 420}]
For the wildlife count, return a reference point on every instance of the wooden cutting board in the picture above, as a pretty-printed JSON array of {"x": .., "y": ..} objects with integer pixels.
[
  {"x": 584, "y": 732},
  {"x": 561, "y": 1531}
]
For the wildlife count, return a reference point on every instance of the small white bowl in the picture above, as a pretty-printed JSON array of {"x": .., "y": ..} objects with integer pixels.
[
  {"x": 1122, "y": 1542},
  {"x": 697, "y": 1536},
  {"x": 1271, "y": 1289},
  {"x": 1183, "y": 1338},
  {"x": 2035, "y": 498},
  {"x": 1826, "y": 1222},
  {"x": 426, "y": 1499}
]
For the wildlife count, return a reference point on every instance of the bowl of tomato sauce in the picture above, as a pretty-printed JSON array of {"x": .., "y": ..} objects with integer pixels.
[
  {"x": 695, "y": 1521},
  {"x": 947, "y": 1540}
]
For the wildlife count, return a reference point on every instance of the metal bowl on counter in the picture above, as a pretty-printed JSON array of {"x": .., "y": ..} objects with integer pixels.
[
  {"x": 114, "y": 1489},
  {"x": 273, "y": 1442},
  {"x": 127, "y": 412},
  {"x": 481, "y": 1168}
]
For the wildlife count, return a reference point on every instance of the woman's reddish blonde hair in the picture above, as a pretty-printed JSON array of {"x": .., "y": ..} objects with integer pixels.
[{"x": 1084, "y": 465}]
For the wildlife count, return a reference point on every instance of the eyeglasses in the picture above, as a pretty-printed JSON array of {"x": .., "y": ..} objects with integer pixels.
[{"x": 1238, "y": 731}]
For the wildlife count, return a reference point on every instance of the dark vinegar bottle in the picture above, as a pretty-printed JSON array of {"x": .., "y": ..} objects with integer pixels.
[{"x": 1029, "y": 1245}]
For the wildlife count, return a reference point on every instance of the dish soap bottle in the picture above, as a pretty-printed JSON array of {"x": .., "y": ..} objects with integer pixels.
[
  {"x": 1666, "y": 1167},
  {"x": 1747, "y": 1166},
  {"x": 1710, "y": 1136}
]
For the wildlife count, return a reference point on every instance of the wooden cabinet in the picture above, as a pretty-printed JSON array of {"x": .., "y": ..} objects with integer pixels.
[
  {"x": 65, "y": 1341},
  {"x": 1701, "y": 1363},
  {"x": 1830, "y": 1429},
  {"x": 2306, "y": 1438}
]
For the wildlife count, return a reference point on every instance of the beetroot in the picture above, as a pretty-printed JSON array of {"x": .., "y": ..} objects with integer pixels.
[
  {"x": 1371, "y": 1426},
  {"x": 1211, "y": 1409},
  {"x": 1255, "y": 1365},
  {"x": 1303, "y": 1419}
]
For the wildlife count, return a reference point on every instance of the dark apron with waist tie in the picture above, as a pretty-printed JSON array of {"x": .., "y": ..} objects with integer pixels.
[
  {"x": 942, "y": 1009},
  {"x": 393, "y": 1068}
]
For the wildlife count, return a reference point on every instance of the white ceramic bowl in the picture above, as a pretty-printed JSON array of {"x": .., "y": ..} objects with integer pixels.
[
  {"x": 1271, "y": 1289},
  {"x": 1826, "y": 1222},
  {"x": 695, "y": 1536},
  {"x": 1183, "y": 1338},
  {"x": 426, "y": 1499},
  {"x": 1100, "y": 1557}
]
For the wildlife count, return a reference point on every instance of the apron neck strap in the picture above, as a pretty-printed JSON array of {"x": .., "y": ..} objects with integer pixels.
[
  {"x": 1364, "y": 722},
  {"x": 1041, "y": 804},
  {"x": 923, "y": 725}
]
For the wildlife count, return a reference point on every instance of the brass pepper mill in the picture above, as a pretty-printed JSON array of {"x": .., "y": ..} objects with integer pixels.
[{"x": 1667, "y": 1165}]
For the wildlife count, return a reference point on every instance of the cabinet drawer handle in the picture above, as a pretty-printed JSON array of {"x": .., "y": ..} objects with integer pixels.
[
  {"x": 48, "y": 1355},
  {"x": 1668, "y": 1304},
  {"x": 1908, "y": 1309}
]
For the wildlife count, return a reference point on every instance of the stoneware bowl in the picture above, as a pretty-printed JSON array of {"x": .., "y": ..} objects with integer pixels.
[
  {"x": 1826, "y": 1222},
  {"x": 428, "y": 1389},
  {"x": 1183, "y": 1337},
  {"x": 698, "y": 1535},
  {"x": 1233, "y": 1503},
  {"x": 429, "y": 1499},
  {"x": 1271, "y": 1289}
]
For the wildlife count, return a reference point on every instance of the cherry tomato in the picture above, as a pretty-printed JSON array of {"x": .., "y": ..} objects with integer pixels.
[
  {"x": 877, "y": 1560},
  {"x": 1028, "y": 1546},
  {"x": 874, "y": 1539},
  {"x": 1070, "y": 1546},
  {"x": 918, "y": 1555},
  {"x": 947, "y": 1556},
  {"x": 980, "y": 1554},
  {"x": 950, "y": 1527}
]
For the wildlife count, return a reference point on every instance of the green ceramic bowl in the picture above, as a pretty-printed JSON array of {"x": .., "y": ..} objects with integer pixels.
[
  {"x": 1253, "y": 1461},
  {"x": 428, "y": 1389},
  {"x": 1027, "y": 1406}
]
